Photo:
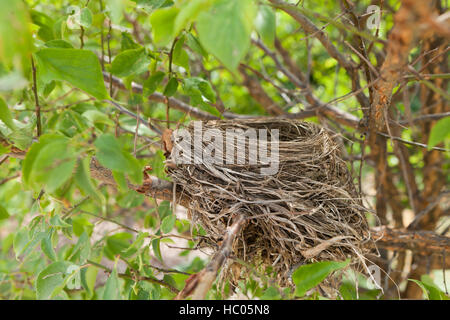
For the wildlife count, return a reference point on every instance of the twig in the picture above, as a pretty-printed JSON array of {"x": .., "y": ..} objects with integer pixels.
[
  {"x": 141, "y": 278},
  {"x": 36, "y": 100},
  {"x": 259, "y": 94},
  {"x": 102, "y": 37},
  {"x": 81, "y": 37},
  {"x": 425, "y": 211},
  {"x": 108, "y": 38},
  {"x": 136, "y": 131},
  {"x": 421, "y": 242},
  {"x": 9, "y": 178},
  {"x": 417, "y": 144},
  {"x": 135, "y": 116},
  {"x": 3, "y": 159},
  {"x": 199, "y": 284}
]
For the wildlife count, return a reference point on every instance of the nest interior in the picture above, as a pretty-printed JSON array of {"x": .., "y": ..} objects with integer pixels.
[{"x": 308, "y": 210}]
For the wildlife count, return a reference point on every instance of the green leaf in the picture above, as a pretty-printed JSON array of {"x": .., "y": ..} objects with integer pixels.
[
  {"x": 20, "y": 242},
  {"x": 164, "y": 209},
  {"x": 157, "y": 249},
  {"x": 32, "y": 153},
  {"x": 207, "y": 90},
  {"x": 439, "y": 132},
  {"x": 197, "y": 88},
  {"x": 16, "y": 40},
  {"x": 49, "y": 88},
  {"x": 136, "y": 245},
  {"x": 163, "y": 21},
  {"x": 7, "y": 243},
  {"x": 109, "y": 148},
  {"x": 49, "y": 279},
  {"x": 168, "y": 223},
  {"x": 225, "y": 30},
  {"x": 151, "y": 4},
  {"x": 115, "y": 9},
  {"x": 96, "y": 116},
  {"x": 53, "y": 165},
  {"x": 422, "y": 286},
  {"x": 80, "y": 252},
  {"x": 127, "y": 42},
  {"x": 121, "y": 180},
  {"x": 59, "y": 43},
  {"x": 47, "y": 246},
  {"x": 4, "y": 149},
  {"x": 348, "y": 291},
  {"x": 57, "y": 221},
  {"x": 308, "y": 276},
  {"x": 180, "y": 57},
  {"x": 152, "y": 82},
  {"x": 134, "y": 168},
  {"x": 265, "y": 24},
  {"x": 195, "y": 45},
  {"x": 84, "y": 182},
  {"x": 22, "y": 137},
  {"x": 79, "y": 67},
  {"x": 171, "y": 87},
  {"x": 5, "y": 115},
  {"x": 80, "y": 225},
  {"x": 45, "y": 24},
  {"x": 271, "y": 293},
  {"x": 3, "y": 213},
  {"x": 429, "y": 288},
  {"x": 189, "y": 13},
  {"x": 88, "y": 277},
  {"x": 128, "y": 62},
  {"x": 117, "y": 243},
  {"x": 86, "y": 17},
  {"x": 111, "y": 155},
  {"x": 112, "y": 287}
]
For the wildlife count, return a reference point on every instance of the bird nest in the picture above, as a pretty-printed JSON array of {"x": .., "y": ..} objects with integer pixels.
[{"x": 307, "y": 210}]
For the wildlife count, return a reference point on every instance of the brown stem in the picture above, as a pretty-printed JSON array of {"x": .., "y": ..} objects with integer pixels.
[
  {"x": 420, "y": 242},
  {"x": 36, "y": 99},
  {"x": 259, "y": 94},
  {"x": 199, "y": 284}
]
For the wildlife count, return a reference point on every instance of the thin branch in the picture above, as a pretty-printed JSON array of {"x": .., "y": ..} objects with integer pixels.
[
  {"x": 140, "y": 278},
  {"x": 310, "y": 28},
  {"x": 259, "y": 94},
  {"x": 199, "y": 284},
  {"x": 417, "y": 144},
  {"x": 135, "y": 116},
  {"x": 36, "y": 100},
  {"x": 421, "y": 242}
]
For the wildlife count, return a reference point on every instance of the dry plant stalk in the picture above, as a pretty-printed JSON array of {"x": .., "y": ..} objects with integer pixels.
[{"x": 308, "y": 211}]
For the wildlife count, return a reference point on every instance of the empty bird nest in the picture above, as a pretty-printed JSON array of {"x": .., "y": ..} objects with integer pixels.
[{"x": 299, "y": 201}]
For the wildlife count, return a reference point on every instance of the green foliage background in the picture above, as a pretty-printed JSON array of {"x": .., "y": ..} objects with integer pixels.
[{"x": 51, "y": 209}]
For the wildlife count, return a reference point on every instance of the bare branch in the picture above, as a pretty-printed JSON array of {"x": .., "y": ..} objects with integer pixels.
[
  {"x": 421, "y": 242},
  {"x": 199, "y": 284},
  {"x": 257, "y": 92}
]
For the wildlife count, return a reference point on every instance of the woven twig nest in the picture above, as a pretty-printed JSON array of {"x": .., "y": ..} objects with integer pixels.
[{"x": 308, "y": 210}]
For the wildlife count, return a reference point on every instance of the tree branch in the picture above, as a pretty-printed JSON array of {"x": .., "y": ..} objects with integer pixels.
[
  {"x": 199, "y": 284},
  {"x": 401, "y": 39},
  {"x": 310, "y": 28},
  {"x": 257, "y": 92},
  {"x": 420, "y": 242}
]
